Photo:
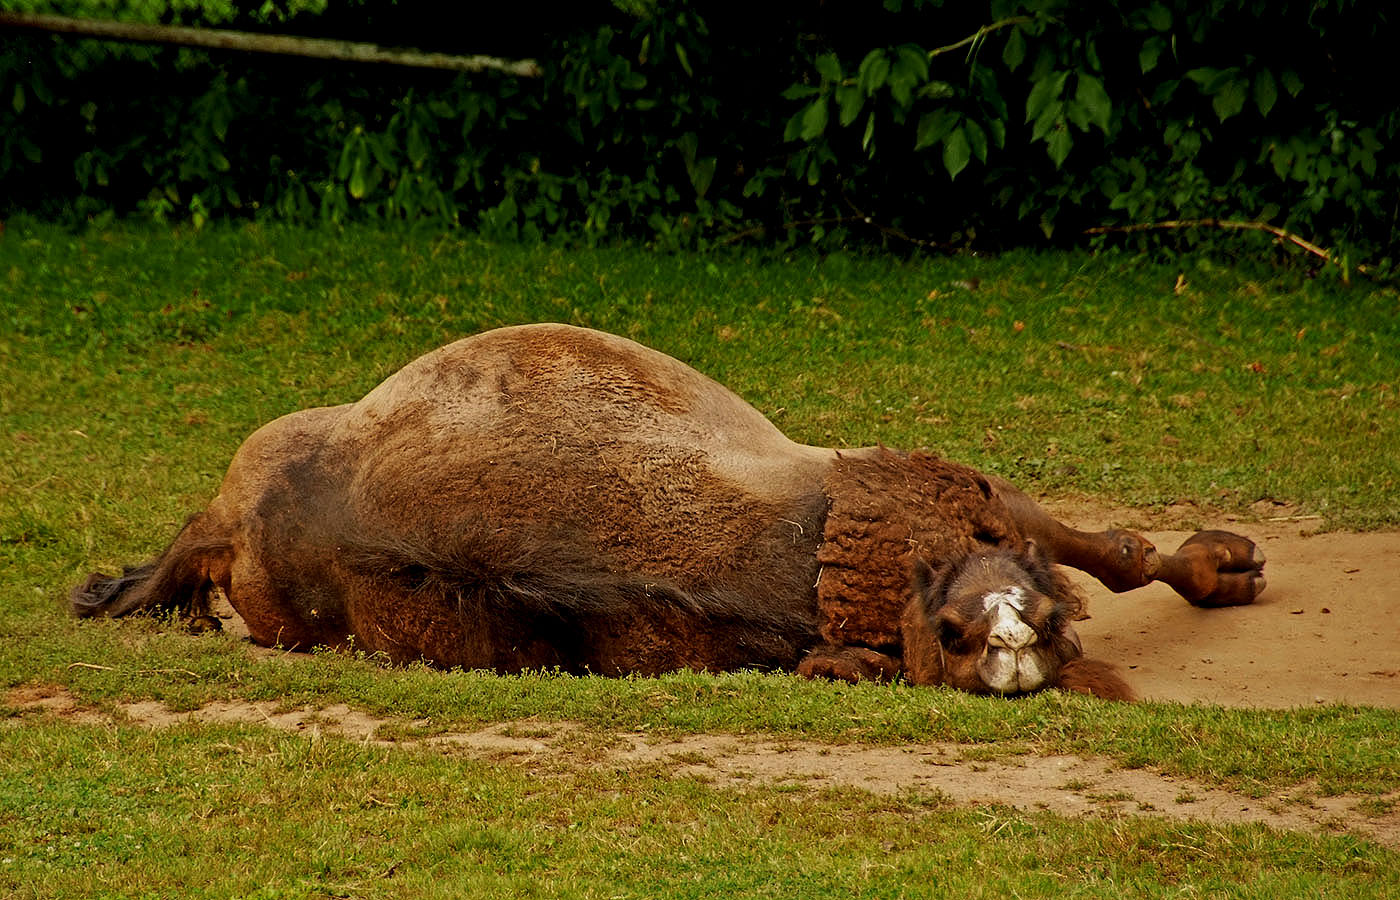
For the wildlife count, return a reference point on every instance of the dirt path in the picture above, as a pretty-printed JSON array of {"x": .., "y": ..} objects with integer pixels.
[
  {"x": 1326, "y": 630},
  {"x": 1070, "y": 786}
]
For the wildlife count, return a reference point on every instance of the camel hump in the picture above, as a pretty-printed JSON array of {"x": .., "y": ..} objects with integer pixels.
[{"x": 560, "y": 386}]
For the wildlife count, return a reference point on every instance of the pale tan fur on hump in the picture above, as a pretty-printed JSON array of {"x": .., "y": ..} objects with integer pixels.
[{"x": 566, "y": 428}]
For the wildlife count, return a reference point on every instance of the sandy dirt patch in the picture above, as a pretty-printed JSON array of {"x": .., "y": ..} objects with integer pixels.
[
  {"x": 1071, "y": 786},
  {"x": 1326, "y": 629}
]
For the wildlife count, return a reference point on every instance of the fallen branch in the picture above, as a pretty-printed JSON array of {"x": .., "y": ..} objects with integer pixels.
[
  {"x": 889, "y": 230},
  {"x": 97, "y": 668},
  {"x": 286, "y": 45},
  {"x": 1280, "y": 233}
]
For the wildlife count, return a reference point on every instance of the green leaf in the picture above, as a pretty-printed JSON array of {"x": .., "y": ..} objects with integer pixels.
[
  {"x": 1265, "y": 91},
  {"x": 342, "y": 170},
  {"x": 1213, "y": 81},
  {"x": 702, "y": 173},
  {"x": 1159, "y": 17},
  {"x": 1090, "y": 95},
  {"x": 793, "y": 130},
  {"x": 934, "y": 126},
  {"x": 976, "y": 139},
  {"x": 1014, "y": 53},
  {"x": 1052, "y": 117},
  {"x": 1203, "y": 76},
  {"x": 936, "y": 90},
  {"x": 1058, "y": 146},
  {"x": 18, "y": 100},
  {"x": 814, "y": 119},
  {"x": 1229, "y": 101},
  {"x": 1291, "y": 82},
  {"x": 1077, "y": 114},
  {"x": 874, "y": 69},
  {"x": 850, "y": 99},
  {"x": 829, "y": 67},
  {"x": 916, "y": 59},
  {"x": 869, "y": 135},
  {"x": 956, "y": 152},
  {"x": 684, "y": 59},
  {"x": 1151, "y": 52},
  {"x": 688, "y": 144},
  {"x": 357, "y": 178},
  {"x": 903, "y": 78},
  {"x": 417, "y": 146},
  {"x": 998, "y": 129},
  {"x": 1045, "y": 91}
]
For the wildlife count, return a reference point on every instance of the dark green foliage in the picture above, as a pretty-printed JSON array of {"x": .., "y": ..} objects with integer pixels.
[{"x": 996, "y": 123}]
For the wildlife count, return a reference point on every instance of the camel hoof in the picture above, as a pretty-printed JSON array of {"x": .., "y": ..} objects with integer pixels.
[
  {"x": 1232, "y": 552},
  {"x": 1238, "y": 563},
  {"x": 1232, "y": 589},
  {"x": 850, "y": 664}
]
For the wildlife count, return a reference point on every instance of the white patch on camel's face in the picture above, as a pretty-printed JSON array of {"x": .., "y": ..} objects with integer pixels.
[{"x": 1012, "y": 662}]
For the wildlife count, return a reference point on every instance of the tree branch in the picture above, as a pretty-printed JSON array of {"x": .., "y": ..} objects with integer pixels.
[
  {"x": 1239, "y": 225},
  {"x": 287, "y": 45},
  {"x": 980, "y": 33}
]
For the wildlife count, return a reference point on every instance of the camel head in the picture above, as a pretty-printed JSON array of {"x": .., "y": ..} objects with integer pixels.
[{"x": 993, "y": 622}]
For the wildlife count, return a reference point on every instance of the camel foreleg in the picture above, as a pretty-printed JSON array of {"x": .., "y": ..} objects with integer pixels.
[{"x": 1209, "y": 569}]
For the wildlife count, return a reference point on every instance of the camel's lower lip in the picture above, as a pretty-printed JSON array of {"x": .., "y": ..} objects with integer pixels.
[{"x": 1014, "y": 672}]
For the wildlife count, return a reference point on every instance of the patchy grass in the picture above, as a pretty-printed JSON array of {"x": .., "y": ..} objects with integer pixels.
[
  {"x": 135, "y": 362},
  {"x": 202, "y": 811}
]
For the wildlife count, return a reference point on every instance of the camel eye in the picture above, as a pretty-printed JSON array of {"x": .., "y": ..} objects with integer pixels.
[{"x": 951, "y": 636}]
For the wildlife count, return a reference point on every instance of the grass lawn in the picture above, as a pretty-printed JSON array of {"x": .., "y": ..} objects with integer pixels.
[{"x": 134, "y": 362}]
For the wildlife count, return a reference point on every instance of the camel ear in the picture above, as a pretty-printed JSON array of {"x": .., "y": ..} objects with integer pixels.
[
  {"x": 926, "y": 584},
  {"x": 1032, "y": 557}
]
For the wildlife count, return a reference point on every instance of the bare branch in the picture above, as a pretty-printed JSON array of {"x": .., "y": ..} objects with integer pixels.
[
  {"x": 1240, "y": 225},
  {"x": 979, "y": 34},
  {"x": 287, "y": 45}
]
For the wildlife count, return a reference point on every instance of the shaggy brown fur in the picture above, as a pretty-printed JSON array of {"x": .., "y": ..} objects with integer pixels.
[
  {"x": 546, "y": 496},
  {"x": 888, "y": 510}
]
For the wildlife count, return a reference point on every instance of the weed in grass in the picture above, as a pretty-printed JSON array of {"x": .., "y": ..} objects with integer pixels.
[{"x": 1377, "y": 806}]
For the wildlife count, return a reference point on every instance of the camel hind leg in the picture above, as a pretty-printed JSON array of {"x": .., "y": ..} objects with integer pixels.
[{"x": 1210, "y": 569}]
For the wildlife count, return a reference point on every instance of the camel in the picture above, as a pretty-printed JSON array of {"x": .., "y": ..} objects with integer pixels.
[{"x": 545, "y": 496}]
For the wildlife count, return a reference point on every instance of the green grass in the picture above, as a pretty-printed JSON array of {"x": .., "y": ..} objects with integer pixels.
[
  {"x": 134, "y": 362},
  {"x": 366, "y": 822}
]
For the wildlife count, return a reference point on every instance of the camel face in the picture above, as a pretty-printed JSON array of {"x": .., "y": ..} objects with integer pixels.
[{"x": 1002, "y": 625}]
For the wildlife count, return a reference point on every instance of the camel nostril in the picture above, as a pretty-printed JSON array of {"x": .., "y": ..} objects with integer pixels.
[
  {"x": 1151, "y": 562},
  {"x": 1012, "y": 638}
]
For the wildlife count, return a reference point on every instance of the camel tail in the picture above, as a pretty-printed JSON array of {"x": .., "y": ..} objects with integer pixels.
[{"x": 177, "y": 580}]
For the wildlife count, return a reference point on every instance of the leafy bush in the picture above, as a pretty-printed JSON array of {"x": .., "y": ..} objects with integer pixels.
[{"x": 985, "y": 124}]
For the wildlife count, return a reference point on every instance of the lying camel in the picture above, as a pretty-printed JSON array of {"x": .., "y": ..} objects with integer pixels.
[{"x": 548, "y": 496}]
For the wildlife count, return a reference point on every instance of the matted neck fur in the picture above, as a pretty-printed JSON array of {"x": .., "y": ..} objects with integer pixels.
[{"x": 544, "y": 496}]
